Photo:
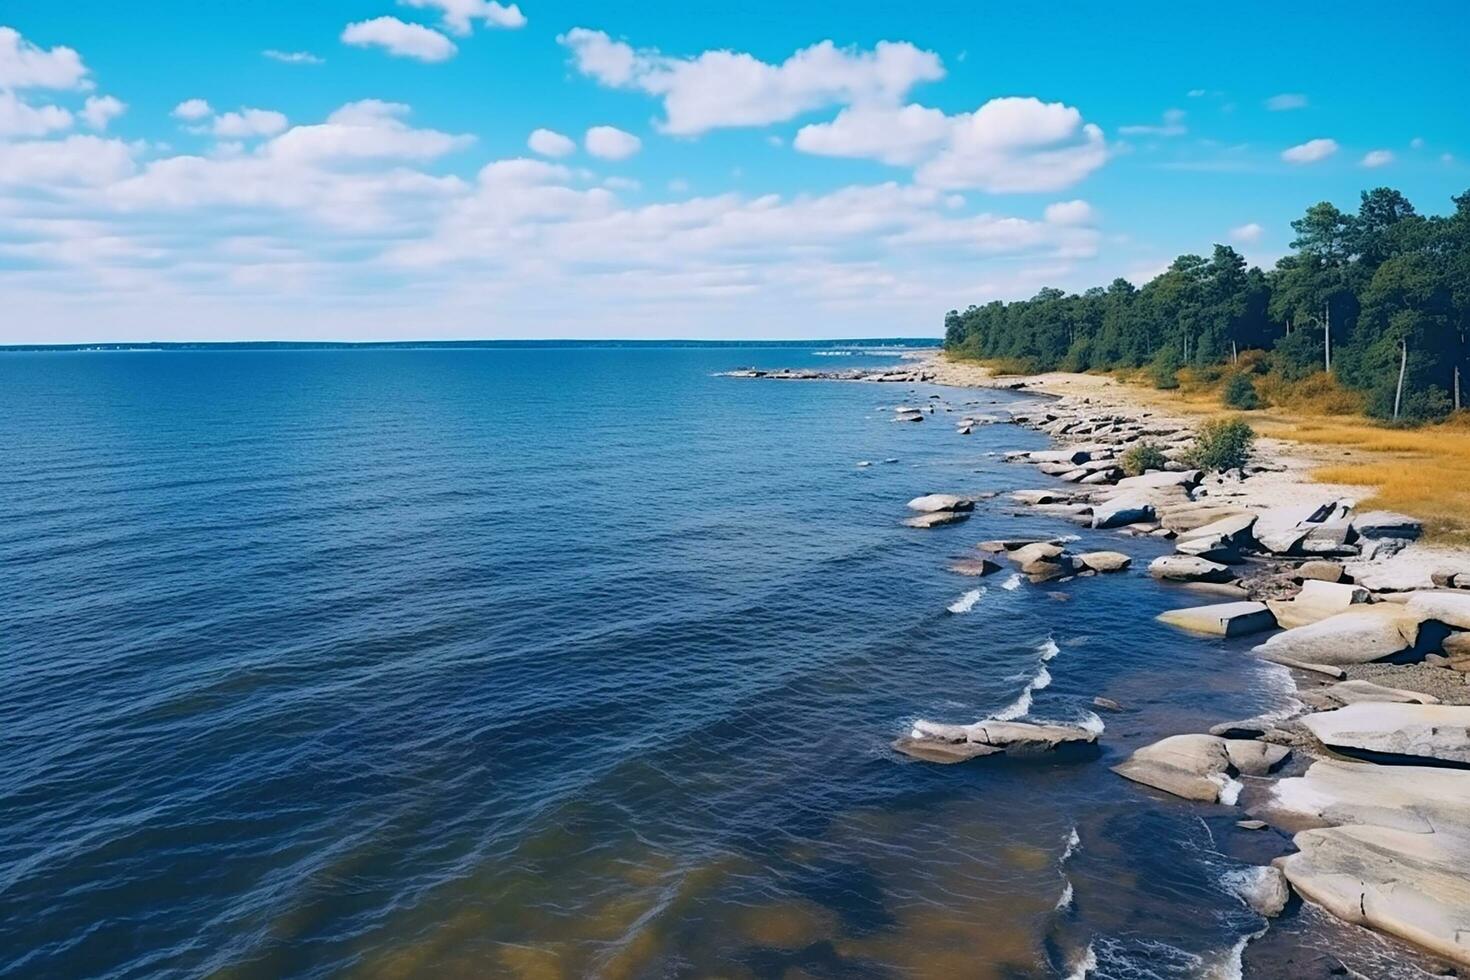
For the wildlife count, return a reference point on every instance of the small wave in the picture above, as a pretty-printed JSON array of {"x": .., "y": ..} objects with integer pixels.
[
  {"x": 1065, "y": 901},
  {"x": 1084, "y": 965},
  {"x": 1013, "y": 583},
  {"x": 966, "y": 602},
  {"x": 1021, "y": 707},
  {"x": 1048, "y": 649},
  {"x": 1229, "y": 788},
  {"x": 1092, "y": 723},
  {"x": 1074, "y": 844}
]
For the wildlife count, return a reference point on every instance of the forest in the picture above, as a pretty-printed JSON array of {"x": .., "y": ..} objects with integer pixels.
[{"x": 1372, "y": 306}]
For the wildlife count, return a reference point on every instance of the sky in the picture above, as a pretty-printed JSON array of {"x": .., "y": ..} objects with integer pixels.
[{"x": 448, "y": 169}]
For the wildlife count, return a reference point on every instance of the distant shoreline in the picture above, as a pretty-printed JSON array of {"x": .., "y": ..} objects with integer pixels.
[{"x": 854, "y": 343}]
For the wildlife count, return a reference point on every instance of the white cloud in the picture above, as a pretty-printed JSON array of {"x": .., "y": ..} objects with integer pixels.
[
  {"x": 720, "y": 89},
  {"x": 1310, "y": 152},
  {"x": 1171, "y": 125},
  {"x": 1013, "y": 145},
  {"x": 899, "y": 135},
  {"x": 1377, "y": 158},
  {"x": 18, "y": 118},
  {"x": 1070, "y": 213},
  {"x": 1247, "y": 234},
  {"x": 367, "y": 130},
  {"x": 100, "y": 110},
  {"x": 400, "y": 38},
  {"x": 60, "y": 164},
  {"x": 459, "y": 15},
  {"x": 611, "y": 143},
  {"x": 292, "y": 57},
  {"x": 550, "y": 143},
  {"x": 248, "y": 123},
  {"x": 192, "y": 110},
  {"x": 24, "y": 65},
  {"x": 1286, "y": 101}
]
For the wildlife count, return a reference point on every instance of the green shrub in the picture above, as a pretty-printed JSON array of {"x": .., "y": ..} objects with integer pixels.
[
  {"x": 1165, "y": 370},
  {"x": 1222, "y": 444},
  {"x": 1143, "y": 457},
  {"x": 1240, "y": 393}
]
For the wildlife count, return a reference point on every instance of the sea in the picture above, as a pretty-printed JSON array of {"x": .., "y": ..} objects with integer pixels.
[{"x": 563, "y": 661}]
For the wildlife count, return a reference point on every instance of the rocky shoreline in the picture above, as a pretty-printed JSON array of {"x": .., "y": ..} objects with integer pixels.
[{"x": 1373, "y": 625}]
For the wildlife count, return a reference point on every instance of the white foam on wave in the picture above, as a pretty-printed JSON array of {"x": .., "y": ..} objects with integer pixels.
[
  {"x": 1013, "y": 583},
  {"x": 1021, "y": 707},
  {"x": 1048, "y": 648},
  {"x": 1065, "y": 901},
  {"x": 1084, "y": 964},
  {"x": 1229, "y": 788},
  {"x": 966, "y": 602},
  {"x": 1074, "y": 844},
  {"x": 1092, "y": 723}
]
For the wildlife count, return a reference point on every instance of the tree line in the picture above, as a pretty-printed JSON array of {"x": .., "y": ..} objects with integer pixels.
[{"x": 1379, "y": 301}]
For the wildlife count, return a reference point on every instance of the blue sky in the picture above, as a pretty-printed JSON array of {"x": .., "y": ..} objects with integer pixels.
[{"x": 709, "y": 170}]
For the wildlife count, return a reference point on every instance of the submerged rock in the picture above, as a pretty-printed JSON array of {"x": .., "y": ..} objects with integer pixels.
[{"x": 935, "y": 742}]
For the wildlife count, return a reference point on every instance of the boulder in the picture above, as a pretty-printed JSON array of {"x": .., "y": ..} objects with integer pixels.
[
  {"x": 933, "y": 502},
  {"x": 936, "y": 518},
  {"x": 1104, "y": 561},
  {"x": 1234, "y": 526},
  {"x": 1252, "y": 758},
  {"x": 1222, "y": 619},
  {"x": 1351, "y": 692},
  {"x": 1160, "y": 479},
  {"x": 1281, "y": 530},
  {"x": 973, "y": 566},
  {"x": 1034, "y": 497},
  {"x": 935, "y": 742},
  {"x": 1417, "y": 799},
  {"x": 1449, "y": 608},
  {"x": 1427, "y": 731},
  {"x": 1357, "y": 636},
  {"x": 1264, "y": 889},
  {"x": 1185, "y": 568},
  {"x": 1195, "y": 767},
  {"x": 1387, "y": 524},
  {"x": 1121, "y": 510},
  {"x": 1073, "y": 456},
  {"x": 1039, "y": 551},
  {"x": 1316, "y": 601},
  {"x": 1319, "y": 570},
  {"x": 1217, "y": 550}
]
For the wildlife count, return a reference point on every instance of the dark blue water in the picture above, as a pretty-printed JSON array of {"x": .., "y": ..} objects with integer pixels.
[{"x": 559, "y": 663}]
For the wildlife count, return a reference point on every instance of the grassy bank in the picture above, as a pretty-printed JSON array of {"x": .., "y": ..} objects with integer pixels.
[{"x": 1422, "y": 471}]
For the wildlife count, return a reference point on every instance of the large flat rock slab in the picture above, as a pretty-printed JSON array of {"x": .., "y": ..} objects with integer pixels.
[
  {"x": 1222, "y": 618},
  {"x": 1449, "y": 608},
  {"x": 938, "y": 742},
  {"x": 1419, "y": 799},
  {"x": 1316, "y": 601},
  {"x": 1200, "y": 767},
  {"x": 1428, "y": 731},
  {"x": 1357, "y": 636}
]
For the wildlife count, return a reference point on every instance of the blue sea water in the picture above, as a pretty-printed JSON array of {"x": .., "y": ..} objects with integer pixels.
[{"x": 565, "y": 662}]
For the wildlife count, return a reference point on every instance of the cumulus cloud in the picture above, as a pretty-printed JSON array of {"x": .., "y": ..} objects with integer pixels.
[
  {"x": 611, "y": 143},
  {"x": 1172, "y": 124},
  {"x": 400, "y": 38},
  {"x": 1070, "y": 213},
  {"x": 550, "y": 143},
  {"x": 100, "y": 110},
  {"x": 1286, "y": 101},
  {"x": 25, "y": 65},
  {"x": 1015, "y": 145},
  {"x": 292, "y": 57},
  {"x": 1247, "y": 234},
  {"x": 19, "y": 118},
  {"x": 1311, "y": 151},
  {"x": 367, "y": 130},
  {"x": 192, "y": 110},
  {"x": 899, "y": 135},
  {"x": 458, "y": 16},
  {"x": 719, "y": 89},
  {"x": 62, "y": 164},
  {"x": 1377, "y": 158},
  {"x": 248, "y": 124}
]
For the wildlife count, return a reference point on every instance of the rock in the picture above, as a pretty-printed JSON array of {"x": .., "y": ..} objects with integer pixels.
[
  {"x": 1104, "y": 561},
  {"x": 1456, "y": 647},
  {"x": 1387, "y": 524},
  {"x": 1354, "y": 637},
  {"x": 1320, "y": 571},
  {"x": 936, "y": 518},
  {"x": 1234, "y": 527},
  {"x": 1316, "y": 601},
  {"x": 973, "y": 566},
  {"x": 1185, "y": 568},
  {"x": 934, "y": 502},
  {"x": 1217, "y": 550},
  {"x": 1194, "y": 767},
  {"x": 1264, "y": 889},
  {"x": 1281, "y": 530},
  {"x": 1449, "y": 608},
  {"x": 1351, "y": 692},
  {"x": 1120, "y": 511},
  {"x": 1450, "y": 579},
  {"x": 1160, "y": 479},
  {"x": 1222, "y": 619},
  {"x": 1428, "y": 731},
  {"x": 956, "y": 743},
  {"x": 1035, "y": 497},
  {"x": 1106, "y": 704},
  {"x": 1251, "y": 824},
  {"x": 1252, "y": 758},
  {"x": 1073, "y": 456},
  {"x": 1417, "y": 799},
  {"x": 1040, "y": 551},
  {"x": 1005, "y": 544}
]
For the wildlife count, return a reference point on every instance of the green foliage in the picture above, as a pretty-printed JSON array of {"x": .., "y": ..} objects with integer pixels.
[
  {"x": 1143, "y": 457},
  {"x": 1222, "y": 444},
  {"x": 1240, "y": 393},
  {"x": 1363, "y": 285}
]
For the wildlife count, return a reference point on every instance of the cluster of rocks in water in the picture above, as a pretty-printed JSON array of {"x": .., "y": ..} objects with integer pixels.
[
  {"x": 1381, "y": 818},
  {"x": 889, "y": 375}
]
